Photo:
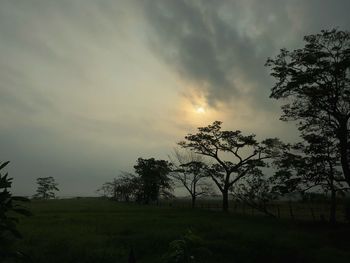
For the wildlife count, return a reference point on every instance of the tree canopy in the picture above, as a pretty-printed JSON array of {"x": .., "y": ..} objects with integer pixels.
[
  {"x": 316, "y": 81},
  {"x": 189, "y": 170},
  {"x": 46, "y": 187},
  {"x": 244, "y": 154},
  {"x": 154, "y": 180}
]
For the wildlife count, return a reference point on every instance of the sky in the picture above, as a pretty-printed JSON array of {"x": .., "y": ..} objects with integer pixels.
[{"x": 88, "y": 86}]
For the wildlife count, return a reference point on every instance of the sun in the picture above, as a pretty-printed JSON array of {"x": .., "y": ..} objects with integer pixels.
[{"x": 200, "y": 110}]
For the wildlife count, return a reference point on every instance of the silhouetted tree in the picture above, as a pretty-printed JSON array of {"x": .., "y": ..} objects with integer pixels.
[
  {"x": 124, "y": 188},
  {"x": 9, "y": 205},
  {"x": 46, "y": 187},
  {"x": 189, "y": 170},
  {"x": 129, "y": 186},
  {"x": 105, "y": 190},
  {"x": 311, "y": 165},
  {"x": 245, "y": 154},
  {"x": 154, "y": 181},
  {"x": 315, "y": 80},
  {"x": 256, "y": 191}
]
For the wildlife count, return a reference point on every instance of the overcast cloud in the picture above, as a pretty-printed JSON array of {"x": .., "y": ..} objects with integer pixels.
[{"x": 87, "y": 87}]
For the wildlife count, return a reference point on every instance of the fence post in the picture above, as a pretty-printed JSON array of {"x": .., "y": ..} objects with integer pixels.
[
  {"x": 291, "y": 210},
  {"x": 312, "y": 213}
]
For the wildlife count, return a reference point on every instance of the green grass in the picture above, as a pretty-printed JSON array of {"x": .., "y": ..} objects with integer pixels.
[{"x": 95, "y": 230}]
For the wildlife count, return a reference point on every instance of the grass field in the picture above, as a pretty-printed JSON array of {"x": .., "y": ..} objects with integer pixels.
[
  {"x": 297, "y": 210},
  {"x": 96, "y": 230}
]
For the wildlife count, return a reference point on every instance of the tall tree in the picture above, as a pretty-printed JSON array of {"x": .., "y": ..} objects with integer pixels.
[
  {"x": 46, "y": 187},
  {"x": 189, "y": 170},
  {"x": 312, "y": 164},
  {"x": 243, "y": 151},
  {"x": 315, "y": 81},
  {"x": 154, "y": 181}
]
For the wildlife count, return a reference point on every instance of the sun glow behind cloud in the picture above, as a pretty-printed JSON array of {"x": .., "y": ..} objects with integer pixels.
[
  {"x": 194, "y": 110},
  {"x": 200, "y": 110}
]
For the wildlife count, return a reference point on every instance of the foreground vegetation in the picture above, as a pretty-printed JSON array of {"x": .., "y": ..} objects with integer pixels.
[{"x": 99, "y": 230}]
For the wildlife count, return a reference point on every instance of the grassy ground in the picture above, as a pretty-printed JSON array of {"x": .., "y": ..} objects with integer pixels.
[
  {"x": 96, "y": 230},
  {"x": 297, "y": 210}
]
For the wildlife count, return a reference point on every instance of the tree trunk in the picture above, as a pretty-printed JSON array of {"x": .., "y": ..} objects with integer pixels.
[
  {"x": 332, "y": 215},
  {"x": 344, "y": 152},
  {"x": 193, "y": 205},
  {"x": 225, "y": 200}
]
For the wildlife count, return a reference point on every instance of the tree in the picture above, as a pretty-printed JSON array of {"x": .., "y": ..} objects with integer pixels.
[
  {"x": 315, "y": 80},
  {"x": 256, "y": 191},
  {"x": 105, "y": 190},
  {"x": 244, "y": 151},
  {"x": 9, "y": 205},
  {"x": 189, "y": 171},
  {"x": 311, "y": 165},
  {"x": 46, "y": 187},
  {"x": 322, "y": 159},
  {"x": 124, "y": 188},
  {"x": 154, "y": 181}
]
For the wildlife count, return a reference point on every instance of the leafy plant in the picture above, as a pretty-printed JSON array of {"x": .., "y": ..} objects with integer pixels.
[
  {"x": 9, "y": 206},
  {"x": 187, "y": 249}
]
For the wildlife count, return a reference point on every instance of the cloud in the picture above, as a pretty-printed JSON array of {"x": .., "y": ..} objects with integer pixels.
[
  {"x": 222, "y": 46},
  {"x": 75, "y": 99}
]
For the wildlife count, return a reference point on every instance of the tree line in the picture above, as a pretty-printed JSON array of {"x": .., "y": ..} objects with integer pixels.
[{"x": 313, "y": 84}]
